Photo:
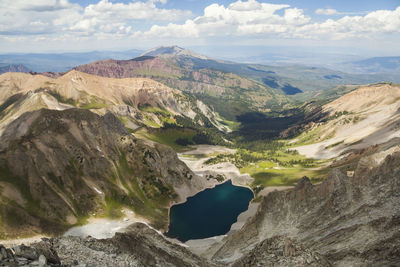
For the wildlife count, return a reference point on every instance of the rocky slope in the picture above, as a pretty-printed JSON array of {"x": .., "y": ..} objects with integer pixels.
[
  {"x": 142, "y": 246},
  {"x": 364, "y": 117},
  {"x": 58, "y": 167},
  {"x": 172, "y": 51},
  {"x": 352, "y": 219},
  {"x": 139, "y": 246},
  {"x": 281, "y": 251},
  {"x": 137, "y": 101}
]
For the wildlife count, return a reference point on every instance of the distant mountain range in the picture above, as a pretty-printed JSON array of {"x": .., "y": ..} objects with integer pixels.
[
  {"x": 14, "y": 68},
  {"x": 390, "y": 65},
  {"x": 228, "y": 93},
  {"x": 291, "y": 79},
  {"x": 246, "y": 87},
  {"x": 46, "y": 62}
]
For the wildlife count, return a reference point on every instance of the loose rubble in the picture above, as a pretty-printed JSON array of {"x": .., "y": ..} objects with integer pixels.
[{"x": 39, "y": 254}]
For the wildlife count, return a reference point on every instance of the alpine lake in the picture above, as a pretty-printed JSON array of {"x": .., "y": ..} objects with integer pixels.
[{"x": 209, "y": 213}]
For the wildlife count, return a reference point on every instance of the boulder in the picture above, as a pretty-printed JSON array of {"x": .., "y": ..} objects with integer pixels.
[{"x": 26, "y": 252}]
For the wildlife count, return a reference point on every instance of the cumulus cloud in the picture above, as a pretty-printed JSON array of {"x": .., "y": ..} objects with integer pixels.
[
  {"x": 133, "y": 11},
  {"x": 111, "y": 17},
  {"x": 61, "y": 20},
  {"x": 34, "y": 17},
  {"x": 43, "y": 5},
  {"x": 61, "y": 16},
  {"x": 376, "y": 22},
  {"x": 247, "y": 18},
  {"x": 239, "y": 18},
  {"x": 161, "y": 1},
  {"x": 327, "y": 11}
]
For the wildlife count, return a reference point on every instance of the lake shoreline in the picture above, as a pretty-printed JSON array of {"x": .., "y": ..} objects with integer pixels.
[
  {"x": 207, "y": 151},
  {"x": 223, "y": 203}
]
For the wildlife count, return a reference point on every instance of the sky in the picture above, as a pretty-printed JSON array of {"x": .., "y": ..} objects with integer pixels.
[{"x": 359, "y": 26}]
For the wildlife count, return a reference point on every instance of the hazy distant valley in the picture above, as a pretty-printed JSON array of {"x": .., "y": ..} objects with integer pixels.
[{"x": 122, "y": 137}]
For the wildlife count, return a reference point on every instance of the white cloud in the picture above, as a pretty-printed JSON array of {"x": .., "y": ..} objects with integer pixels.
[
  {"x": 239, "y": 18},
  {"x": 150, "y": 20},
  {"x": 160, "y": 1},
  {"x": 327, "y": 11},
  {"x": 42, "y": 5},
  {"x": 368, "y": 26},
  {"x": 60, "y": 16},
  {"x": 18, "y": 17},
  {"x": 245, "y": 6},
  {"x": 178, "y": 30},
  {"x": 134, "y": 10},
  {"x": 247, "y": 18}
]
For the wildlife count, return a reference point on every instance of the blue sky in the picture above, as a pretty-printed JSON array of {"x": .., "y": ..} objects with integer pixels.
[{"x": 367, "y": 27}]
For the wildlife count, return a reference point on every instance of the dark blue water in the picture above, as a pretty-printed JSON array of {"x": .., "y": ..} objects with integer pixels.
[{"x": 208, "y": 213}]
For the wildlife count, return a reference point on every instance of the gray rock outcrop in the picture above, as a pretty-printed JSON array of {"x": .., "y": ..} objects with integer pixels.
[{"x": 348, "y": 220}]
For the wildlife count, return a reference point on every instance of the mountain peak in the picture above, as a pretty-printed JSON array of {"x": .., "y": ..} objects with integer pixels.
[
  {"x": 14, "y": 68},
  {"x": 172, "y": 51}
]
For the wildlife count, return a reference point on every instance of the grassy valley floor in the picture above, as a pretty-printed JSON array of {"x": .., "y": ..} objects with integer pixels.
[
  {"x": 277, "y": 167},
  {"x": 269, "y": 162}
]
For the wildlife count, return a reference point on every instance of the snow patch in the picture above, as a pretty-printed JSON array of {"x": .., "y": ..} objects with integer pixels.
[{"x": 97, "y": 190}]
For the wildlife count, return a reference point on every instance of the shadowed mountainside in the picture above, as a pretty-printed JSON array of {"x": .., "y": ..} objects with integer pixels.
[{"x": 57, "y": 167}]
